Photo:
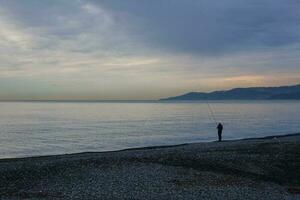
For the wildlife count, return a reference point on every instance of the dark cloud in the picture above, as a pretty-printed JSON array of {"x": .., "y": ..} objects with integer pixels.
[
  {"x": 210, "y": 27},
  {"x": 191, "y": 26}
]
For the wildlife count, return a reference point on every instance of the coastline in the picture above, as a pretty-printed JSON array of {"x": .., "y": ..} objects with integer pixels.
[{"x": 268, "y": 167}]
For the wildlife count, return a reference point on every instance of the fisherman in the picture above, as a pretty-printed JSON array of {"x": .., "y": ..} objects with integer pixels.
[{"x": 220, "y": 130}]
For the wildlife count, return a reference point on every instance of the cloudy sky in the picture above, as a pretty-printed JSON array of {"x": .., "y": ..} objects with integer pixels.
[{"x": 142, "y": 49}]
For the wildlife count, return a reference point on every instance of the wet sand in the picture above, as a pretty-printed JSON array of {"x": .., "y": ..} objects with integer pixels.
[{"x": 262, "y": 168}]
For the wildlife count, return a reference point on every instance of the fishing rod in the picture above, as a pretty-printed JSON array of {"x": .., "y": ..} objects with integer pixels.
[{"x": 211, "y": 112}]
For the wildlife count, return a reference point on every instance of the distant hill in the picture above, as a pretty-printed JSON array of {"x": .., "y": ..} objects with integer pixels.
[{"x": 253, "y": 93}]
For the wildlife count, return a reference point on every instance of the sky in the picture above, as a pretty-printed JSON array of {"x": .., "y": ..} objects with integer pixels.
[{"x": 141, "y": 49}]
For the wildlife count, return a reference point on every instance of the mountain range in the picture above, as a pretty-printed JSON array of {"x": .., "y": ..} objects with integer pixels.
[{"x": 252, "y": 93}]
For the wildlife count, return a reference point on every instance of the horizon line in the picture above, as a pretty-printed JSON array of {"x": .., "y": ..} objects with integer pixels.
[{"x": 118, "y": 100}]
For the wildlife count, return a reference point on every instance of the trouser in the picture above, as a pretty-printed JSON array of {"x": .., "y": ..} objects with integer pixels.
[{"x": 220, "y": 135}]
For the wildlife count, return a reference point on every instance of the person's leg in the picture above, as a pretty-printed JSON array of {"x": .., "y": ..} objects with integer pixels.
[{"x": 220, "y": 136}]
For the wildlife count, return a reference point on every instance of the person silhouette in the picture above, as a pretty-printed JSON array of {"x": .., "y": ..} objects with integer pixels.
[{"x": 220, "y": 130}]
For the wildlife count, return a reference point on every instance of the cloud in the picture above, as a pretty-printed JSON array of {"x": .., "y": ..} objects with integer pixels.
[
  {"x": 140, "y": 49},
  {"x": 11, "y": 36},
  {"x": 210, "y": 27}
]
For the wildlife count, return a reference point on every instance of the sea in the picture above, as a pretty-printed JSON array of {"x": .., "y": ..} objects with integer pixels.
[{"x": 52, "y": 127}]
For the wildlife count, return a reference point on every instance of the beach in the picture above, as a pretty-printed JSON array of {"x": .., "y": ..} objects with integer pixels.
[{"x": 261, "y": 168}]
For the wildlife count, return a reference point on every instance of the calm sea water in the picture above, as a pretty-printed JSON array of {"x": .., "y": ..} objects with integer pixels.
[{"x": 43, "y": 128}]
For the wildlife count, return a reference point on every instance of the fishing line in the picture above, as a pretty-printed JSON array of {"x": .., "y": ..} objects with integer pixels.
[{"x": 211, "y": 112}]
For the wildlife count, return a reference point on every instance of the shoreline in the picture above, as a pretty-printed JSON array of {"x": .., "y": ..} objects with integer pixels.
[
  {"x": 151, "y": 147},
  {"x": 268, "y": 167}
]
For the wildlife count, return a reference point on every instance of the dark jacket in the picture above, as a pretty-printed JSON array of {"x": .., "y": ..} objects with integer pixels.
[{"x": 220, "y": 127}]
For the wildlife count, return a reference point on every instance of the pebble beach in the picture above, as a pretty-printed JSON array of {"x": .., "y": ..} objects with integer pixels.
[{"x": 260, "y": 168}]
